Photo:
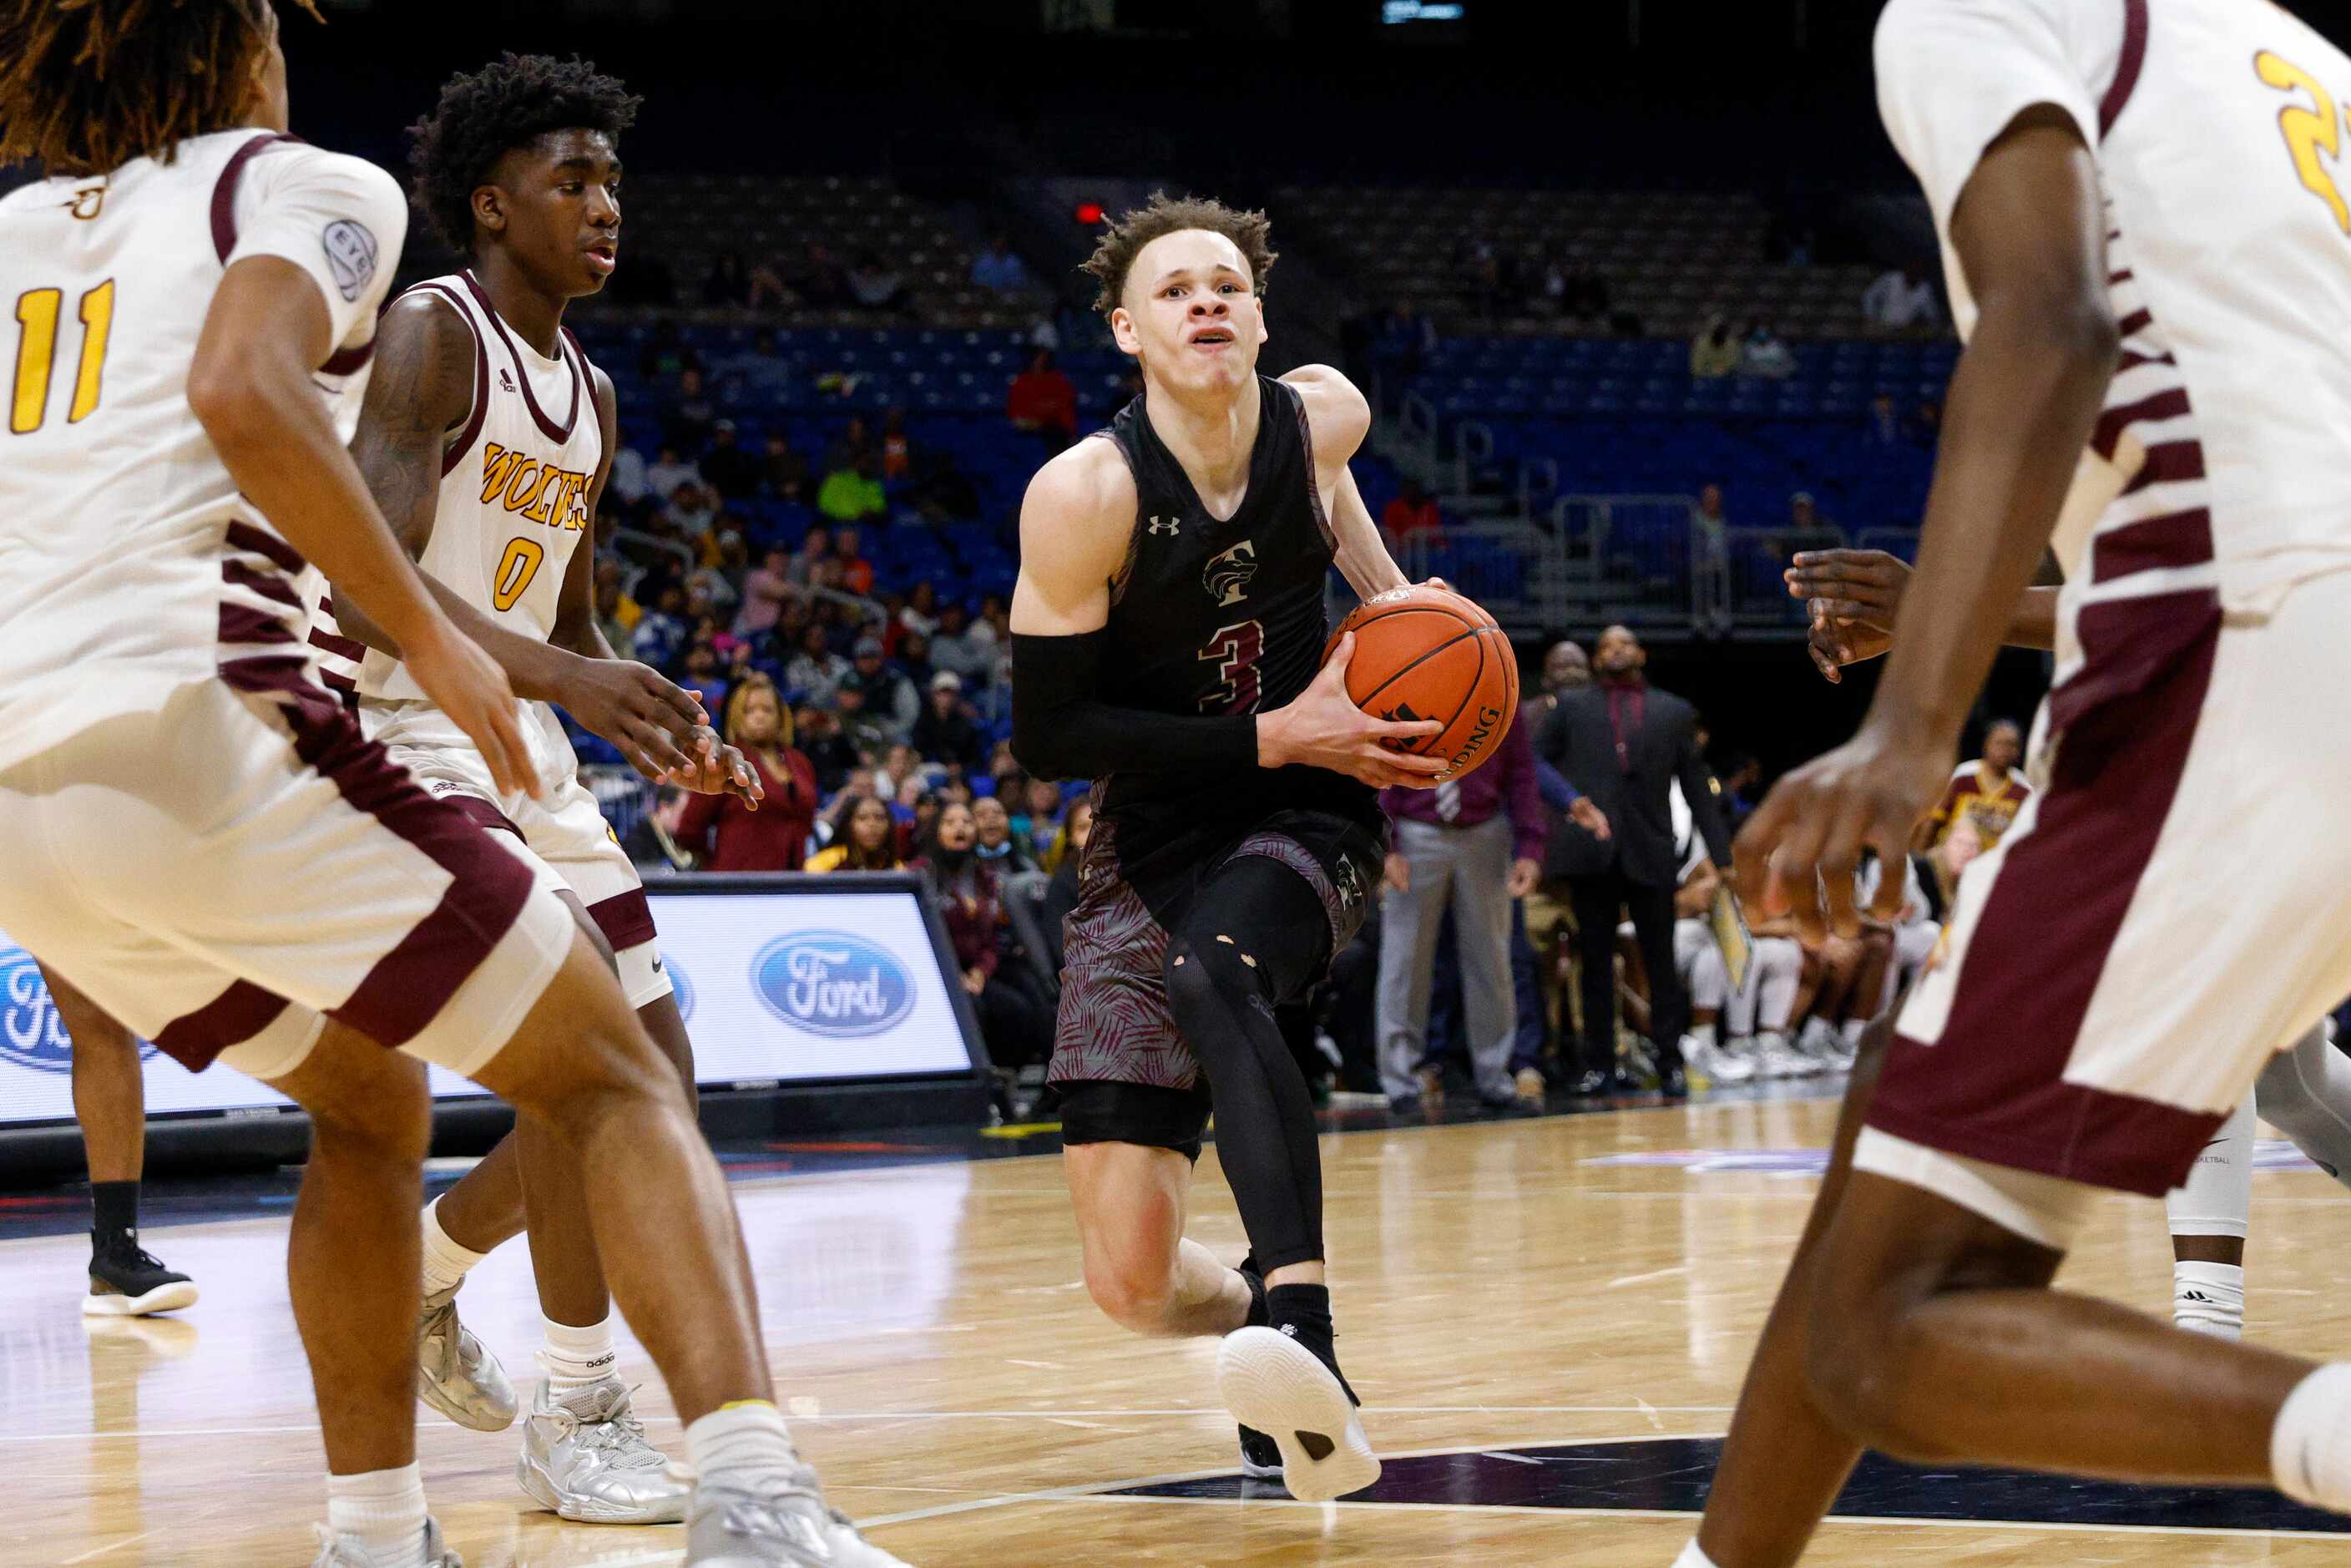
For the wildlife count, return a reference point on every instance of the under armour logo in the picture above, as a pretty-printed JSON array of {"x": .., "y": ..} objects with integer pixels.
[
  {"x": 505, "y": 382},
  {"x": 1164, "y": 526}
]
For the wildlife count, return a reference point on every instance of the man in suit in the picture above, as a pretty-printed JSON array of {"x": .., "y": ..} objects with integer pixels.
[{"x": 1623, "y": 743}]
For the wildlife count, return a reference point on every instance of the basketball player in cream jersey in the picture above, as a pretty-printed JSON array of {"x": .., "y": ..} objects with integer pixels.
[
  {"x": 485, "y": 438},
  {"x": 2147, "y": 244},
  {"x": 198, "y": 836}
]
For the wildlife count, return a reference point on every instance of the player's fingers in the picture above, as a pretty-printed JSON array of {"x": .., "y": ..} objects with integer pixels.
[
  {"x": 508, "y": 752},
  {"x": 1822, "y": 659},
  {"x": 1892, "y": 843},
  {"x": 1751, "y": 853},
  {"x": 1409, "y": 761},
  {"x": 1838, "y": 886},
  {"x": 673, "y": 698},
  {"x": 1336, "y": 669},
  {"x": 1405, "y": 730},
  {"x": 656, "y": 743}
]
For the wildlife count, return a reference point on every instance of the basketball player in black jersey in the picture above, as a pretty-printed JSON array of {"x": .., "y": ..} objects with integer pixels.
[{"x": 1166, "y": 634}]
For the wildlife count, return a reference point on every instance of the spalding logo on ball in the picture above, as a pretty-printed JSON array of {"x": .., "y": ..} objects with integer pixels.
[{"x": 1427, "y": 653}]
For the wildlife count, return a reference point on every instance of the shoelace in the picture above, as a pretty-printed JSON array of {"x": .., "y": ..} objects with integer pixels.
[
  {"x": 750, "y": 1515},
  {"x": 619, "y": 1433}
]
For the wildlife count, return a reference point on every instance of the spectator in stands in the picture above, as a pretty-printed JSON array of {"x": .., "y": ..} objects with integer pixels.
[
  {"x": 900, "y": 763},
  {"x": 953, "y": 648},
  {"x": 1900, "y": 300},
  {"x": 661, "y": 632},
  {"x": 765, "y": 587},
  {"x": 1008, "y": 851},
  {"x": 652, "y": 844},
  {"x": 728, "y": 282},
  {"x": 854, "y": 441},
  {"x": 1044, "y": 402},
  {"x": 921, "y": 614},
  {"x": 1881, "y": 426},
  {"x": 890, "y": 697},
  {"x": 668, "y": 471},
  {"x": 717, "y": 581},
  {"x": 897, "y": 448},
  {"x": 815, "y": 670},
  {"x": 944, "y": 732},
  {"x": 856, "y": 571},
  {"x": 1402, "y": 347},
  {"x": 850, "y": 495},
  {"x": 868, "y": 734},
  {"x": 1714, "y": 352},
  {"x": 687, "y": 419},
  {"x": 1924, "y": 425},
  {"x": 783, "y": 471},
  {"x": 1413, "y": 510},
  {"x": 1988, "y": 792},
  {"x": 913, "y": 659},
  {"x": 1804, "y": 516},
  {"x": 991, "y": 638},
  {"x": 1765, "y": 355},
  {"x": 876, "y": 285},
  {"x": 666, "y": 353},
  {"x": 702, "y": 672},
  {"x": 627, "y": 484},
  {"x": 727, "y": 468},
  {"x": 816, "y": 546},
  {"x": 819, "y": 280},
  {"x": 998, "y": 269},
  {"x": 690, "y": 511},
  {"x": 724, "y": 832},
  {"x": 617, "y": 614},
  {"x": 1067, "y": 858},
  {"x": 971, "y": 906},
  {"x": 1040, "y": 818},
  {"x": 760, "y": 372},
  {"x": 826, "y": 750},
  {"x": 868, "y": 839}
]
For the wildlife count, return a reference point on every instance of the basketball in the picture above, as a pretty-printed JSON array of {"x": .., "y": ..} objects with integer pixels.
[{"x": 1427, "y": 653}]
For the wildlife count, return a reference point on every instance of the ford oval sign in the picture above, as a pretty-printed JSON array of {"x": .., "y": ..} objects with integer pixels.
[
  {"x": 833, "y": 984},
  {"x": 32, "y": 1034}
]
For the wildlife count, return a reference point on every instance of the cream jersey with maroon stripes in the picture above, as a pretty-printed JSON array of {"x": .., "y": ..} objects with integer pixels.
[
  {"x": 130, "y": 565},
  {"x": 2216, "y": 470}
]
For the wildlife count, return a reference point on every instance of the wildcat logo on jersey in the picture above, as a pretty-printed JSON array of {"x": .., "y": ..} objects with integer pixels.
[
  {"x": 1349, "y": 884},
  {"x": 539, "y": 491},
  {"x": 1228, "y": 574}
]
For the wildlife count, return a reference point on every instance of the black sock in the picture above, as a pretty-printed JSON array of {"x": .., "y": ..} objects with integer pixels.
[
  {"x": 114, "y": 1208},
  {"x": 1254, "y": 1277},
  {"x": 1303, "y": 1312}
]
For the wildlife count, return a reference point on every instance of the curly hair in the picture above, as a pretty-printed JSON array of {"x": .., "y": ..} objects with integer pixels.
[
  {"x": 508, "y": 103},
  {"x": 1125, "y": 236},
  {"x": 85, "y": 85}
]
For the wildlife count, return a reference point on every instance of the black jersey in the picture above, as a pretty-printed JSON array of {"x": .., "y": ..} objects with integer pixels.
[{"x": 1221, "y": 617}]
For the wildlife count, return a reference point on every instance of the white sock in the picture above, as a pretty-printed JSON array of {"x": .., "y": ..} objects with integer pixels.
[
  {"x": 386, "y": 1509},
  {"x": 1853, "y": 1029},
  {"x": 2310, "y": 1446},
  {"x": 445, "y": 1262},
  {"x": 576, "y": 1357},
  {"x": 744, "y": 1444},
  {"x": 1702, "y": 1035},
  {"x": 2209, "y": 1298},
  {"x": 1692, "y": 1557}
]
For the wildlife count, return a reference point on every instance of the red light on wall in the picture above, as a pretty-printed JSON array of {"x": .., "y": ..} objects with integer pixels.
[{"x": 1090, "y": 213}]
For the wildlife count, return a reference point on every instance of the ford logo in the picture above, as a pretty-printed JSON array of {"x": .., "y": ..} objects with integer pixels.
[
  {"x": 32, "y": 1031},
  {"x": 833, "y": 984},
  {"x": 680, "y": 985}
]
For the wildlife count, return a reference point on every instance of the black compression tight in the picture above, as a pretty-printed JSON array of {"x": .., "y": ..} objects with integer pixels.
[{"x": 1256, "y": 938}]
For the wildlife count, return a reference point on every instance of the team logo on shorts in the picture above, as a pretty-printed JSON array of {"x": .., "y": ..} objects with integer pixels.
[
  {"x": 833, "y": 984},
  {"x": 667, "y": 964},
  {"x": 350, "y": 255},
  {"x": 32, "y": 1031}
]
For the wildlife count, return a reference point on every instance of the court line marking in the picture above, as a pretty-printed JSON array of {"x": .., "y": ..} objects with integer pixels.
[{"x": 1212, "y": 1412}]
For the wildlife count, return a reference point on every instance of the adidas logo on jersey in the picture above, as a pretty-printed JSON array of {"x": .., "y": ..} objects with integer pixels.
[{"x": 506, "y": 380}]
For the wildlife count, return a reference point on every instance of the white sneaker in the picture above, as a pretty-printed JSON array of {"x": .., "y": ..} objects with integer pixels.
[
  {"x": 350, "y": 1552},
  {"x": 1271, "y": 1382},
  {"x": 1816, "y": 1047},
  {"x": 1723, "y": 1063},
  {"x": 791, "y": 1527},
  {"x": 1777, "y": 1059}
]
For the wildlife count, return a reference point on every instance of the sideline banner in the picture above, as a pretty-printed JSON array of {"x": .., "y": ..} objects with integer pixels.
[{"x": 782, "y": 979}]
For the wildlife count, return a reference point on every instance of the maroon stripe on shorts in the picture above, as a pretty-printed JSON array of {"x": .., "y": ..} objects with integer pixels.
[
  {"x": 259, "y": 541},
  {"x": 1993, "y": 1086},
  {"x": 342, "y": 647},
  {"x": 625, "y": 919},
  {"x": 236, "y": 1016},
  {"x": 2168, "y": 461},
  {"x": 340, "y": 683},
  {"x": 223, "y": 208},
  {"x": 2131, "y": 361},
  {"x": 2138, "y": 321},
  {"x": 2127, "y": 643},
  {"x": 482, "y": 814},
  {"x": 2173, "y": 540},
  {"x": 408, "y": 985},
  {"x": 241, "y": 624},
  {"x": 268, "y": 584},
  {"x": 2108, "y": 433},
  {"x": 2127, "y": 69}
]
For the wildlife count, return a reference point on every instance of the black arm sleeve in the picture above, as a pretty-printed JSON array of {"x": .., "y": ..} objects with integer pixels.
[{"x": 1062, "y": 730}]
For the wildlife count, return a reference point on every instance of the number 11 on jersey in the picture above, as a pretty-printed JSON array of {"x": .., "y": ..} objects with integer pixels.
[{"x": 37, "y": 310}]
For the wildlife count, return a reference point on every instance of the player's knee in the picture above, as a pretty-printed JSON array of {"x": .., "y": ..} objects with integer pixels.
[
  {"x": 378, "y": 1108},
  {"x": 1858, "y": 1358},
  {"x": 1134, "y": 1289},
  {"x": 1206, "y": 973}
]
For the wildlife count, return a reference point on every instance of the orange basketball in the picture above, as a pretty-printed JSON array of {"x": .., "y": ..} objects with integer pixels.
[{"x": 1424, "y": 652}]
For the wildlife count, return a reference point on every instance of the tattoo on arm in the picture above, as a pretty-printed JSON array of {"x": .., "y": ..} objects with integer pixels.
[{"x": 423, "y": 385}]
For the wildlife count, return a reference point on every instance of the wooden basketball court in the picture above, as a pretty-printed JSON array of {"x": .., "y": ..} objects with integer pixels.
[{"x": 1544, "y": 1306}]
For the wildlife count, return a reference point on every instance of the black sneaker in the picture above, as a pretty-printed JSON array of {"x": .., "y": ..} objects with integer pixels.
[
  {"x": 127, "y": 1283},
  {"x": 1260, "y": 1456}
]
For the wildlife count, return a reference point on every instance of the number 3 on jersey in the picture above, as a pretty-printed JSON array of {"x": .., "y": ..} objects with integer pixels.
[
  {"x": 1236, "y": 649},
  {"x": 37, "y": 310},
  {"x": 515, "y": 568}
]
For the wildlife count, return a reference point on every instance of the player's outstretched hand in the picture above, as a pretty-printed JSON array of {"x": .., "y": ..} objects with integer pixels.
[
  {"x": 1324, "y": 728},
  {"x": 632, "y": 705},
  {"x": 713, "y": 767},
  {"x": 1852, "y": 596},
  {"x": 1799, "y": 852},
  {"x": 467, "y": 684}
]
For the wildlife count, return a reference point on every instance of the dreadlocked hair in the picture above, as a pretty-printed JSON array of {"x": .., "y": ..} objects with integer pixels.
[
  {"x": 508, "y": 103},
  {"x": 85, "y": 85},
  {"x": 1125, "y": 236}
]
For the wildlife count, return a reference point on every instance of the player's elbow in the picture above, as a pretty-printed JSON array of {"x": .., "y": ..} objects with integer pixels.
[{"x": 231, "y": 400}]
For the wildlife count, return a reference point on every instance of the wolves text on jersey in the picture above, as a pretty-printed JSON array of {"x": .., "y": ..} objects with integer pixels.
[{"x": 539, "y": 491}]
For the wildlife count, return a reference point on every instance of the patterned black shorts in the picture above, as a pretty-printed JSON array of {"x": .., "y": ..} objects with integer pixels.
[{"x": 1115, "y": 1025}]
